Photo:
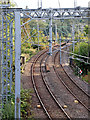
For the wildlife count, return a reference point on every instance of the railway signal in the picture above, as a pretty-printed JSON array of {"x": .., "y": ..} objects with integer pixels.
[{"x": 80, "y": 71}]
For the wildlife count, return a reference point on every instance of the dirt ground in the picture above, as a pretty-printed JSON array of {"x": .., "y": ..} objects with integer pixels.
[{"x": 27, "y": 84}]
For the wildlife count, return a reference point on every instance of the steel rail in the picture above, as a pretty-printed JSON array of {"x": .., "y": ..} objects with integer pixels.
[
  {"x": 35, "y": 88},
  {"x": 33, "y": 81},
  {"x": 76, "y": 83},
  {"x": 67, "y": 86},
  {"x": 47, "y": 86}
]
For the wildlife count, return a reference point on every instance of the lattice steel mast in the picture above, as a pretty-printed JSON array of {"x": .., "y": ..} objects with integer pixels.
[
  {"x": 7, "y": 39},
  {"x": 0, "y": 58}
]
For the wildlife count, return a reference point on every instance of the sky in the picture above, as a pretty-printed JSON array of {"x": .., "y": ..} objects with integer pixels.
[{"x": 32, "y": 4}]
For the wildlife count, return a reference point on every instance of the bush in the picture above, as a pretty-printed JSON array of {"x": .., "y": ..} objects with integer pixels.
[
  {"x": 82, "y": 49},
  {"x": 8, "y": 107},
  {"x": 8, "y": 111}
]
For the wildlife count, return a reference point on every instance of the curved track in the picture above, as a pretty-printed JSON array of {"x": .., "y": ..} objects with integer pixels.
[
  {"x": 50, "y": 96},
  {"x": 69, "y": 83},
  {"x": 63, "y": 96},
  {"x": 52, "y": 108}
]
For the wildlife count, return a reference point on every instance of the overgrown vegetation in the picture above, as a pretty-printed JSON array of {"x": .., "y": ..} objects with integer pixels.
[
  {"x": 9, "y": 106},
  {"x": 83, "y": 49}
]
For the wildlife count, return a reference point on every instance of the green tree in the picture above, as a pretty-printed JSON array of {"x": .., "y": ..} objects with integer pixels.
[
  {"x": 82, "y": 49},
  {"x": 86, "y": 29}
]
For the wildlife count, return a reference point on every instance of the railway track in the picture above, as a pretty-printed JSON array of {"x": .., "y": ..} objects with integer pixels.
[
  {"x": 63, "y": 96},
  {"x": 49, "y": 103},
  {"x": 53, "y": 106},
  {"x": 69, "y": 83}
]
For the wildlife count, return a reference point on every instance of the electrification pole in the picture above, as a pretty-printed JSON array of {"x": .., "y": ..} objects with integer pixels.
[
  {"x": 17, "y": 63},
  {"x": 59, "y": 3},
  {"x": 89, "y": 44},
  {"x": 75, "y": 3},
  {"x": 38, "y": 34},
  {"x": 40, "y": 4},
  {"x": 50, "y": 34},
  {"x": 56, "y": 31},
  {"x": 60, "y": 50},
  {"x": 73, "y": 32}
]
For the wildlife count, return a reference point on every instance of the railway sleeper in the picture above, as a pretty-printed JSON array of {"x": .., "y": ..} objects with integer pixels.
[{"x": 47, "y": 68}]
